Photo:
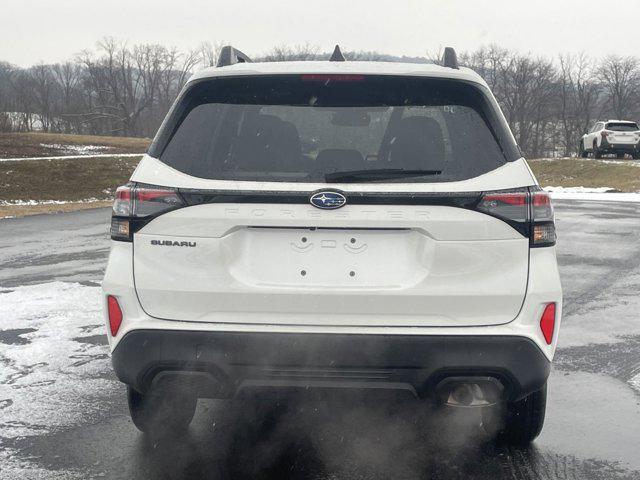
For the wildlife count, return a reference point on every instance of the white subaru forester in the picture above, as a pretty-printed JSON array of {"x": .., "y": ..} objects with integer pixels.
[{"x": 334, "y": 225}]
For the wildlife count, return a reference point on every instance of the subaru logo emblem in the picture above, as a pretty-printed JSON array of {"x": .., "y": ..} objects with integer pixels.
[{"x": 328, "y": 200}]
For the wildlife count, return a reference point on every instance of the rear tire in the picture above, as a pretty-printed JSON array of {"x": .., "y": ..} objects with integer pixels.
[
  {"x": 582, "y": 151},
  {"x": 596, "y": 153},
  {"x": 636, "y": 155},
  {"x": 523, "y": 420},
  {"x": 161, "y": 411}
]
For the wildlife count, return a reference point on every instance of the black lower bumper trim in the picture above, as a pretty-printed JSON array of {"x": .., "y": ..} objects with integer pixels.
[
  {"x": 227, "y": 360},
  {"x": 606, "y": 147}
]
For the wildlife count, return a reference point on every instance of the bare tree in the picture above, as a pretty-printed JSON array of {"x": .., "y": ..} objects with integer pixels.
[
  {"x": 577, "y": 99},
  {"x": 175, "y": 73},
  {"x": 525, "y": 88},
  {"x": 22, "y": 89},
  {"x": 208, "y": 53},
  {"x": 43, "y": 85},
  {"x": 68, "y": 76},
  {"x": 297, "y": 52},
  {"x": 587, "y": 92},
  {"x": 118, "y": 89},
  {"x": 6, "y": 97},
  {"x": 490, "y": 62},
  {"x": 620, "y": 80}
]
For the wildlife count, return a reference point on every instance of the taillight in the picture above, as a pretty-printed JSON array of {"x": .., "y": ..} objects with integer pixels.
[
  {"x": 115, "y": 315},
  {"x": 122, "y": 203},
  {"x": 543, "y": 227},
  {"x": 154, "y": 200},
  {"x": 134, "y": 205},
  {"x": 548, "y": 322},
  {"x": 509, "y": 206},
  {"x": 530, "y": 213}
]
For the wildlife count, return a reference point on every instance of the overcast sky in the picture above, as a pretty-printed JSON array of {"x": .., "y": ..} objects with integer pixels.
[{"x": 54, "y": 30}]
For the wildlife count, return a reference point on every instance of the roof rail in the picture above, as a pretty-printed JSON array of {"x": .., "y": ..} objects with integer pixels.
[
  {"x": 450, "y": 59},
  {"x": 231, "y": 56},
  {"x": 337, "y": 55}
]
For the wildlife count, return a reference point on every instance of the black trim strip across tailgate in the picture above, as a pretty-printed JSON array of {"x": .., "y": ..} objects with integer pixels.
[
  {"x": 461, "y": 200},
  {"x": 466, "y": 200}
]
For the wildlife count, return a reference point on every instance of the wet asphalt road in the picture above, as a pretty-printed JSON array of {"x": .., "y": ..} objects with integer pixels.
[{"x": 593, "y": 415}]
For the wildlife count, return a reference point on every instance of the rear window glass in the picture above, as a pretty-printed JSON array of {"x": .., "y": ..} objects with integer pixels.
[
  {"x": 316, "y": 128},
  {"x": 622, "y": 127}
]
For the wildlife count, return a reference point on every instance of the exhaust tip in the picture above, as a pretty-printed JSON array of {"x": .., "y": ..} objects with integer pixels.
[{"x": 469, "y": 391}]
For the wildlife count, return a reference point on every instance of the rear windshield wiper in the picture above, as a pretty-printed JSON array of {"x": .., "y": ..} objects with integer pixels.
[{"x": 377, "y": 174}]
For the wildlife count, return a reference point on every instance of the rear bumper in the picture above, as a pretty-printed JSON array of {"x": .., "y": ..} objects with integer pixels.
[
  {"x": 221, "y": 363},
  {"x": 618, "y": 147}
]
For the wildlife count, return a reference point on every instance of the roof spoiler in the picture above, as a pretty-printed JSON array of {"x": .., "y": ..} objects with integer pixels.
[
  {"x": 337, "y": 55},
  {"x": 450, "y": 58},
  {"x": 231, "y": 56}
]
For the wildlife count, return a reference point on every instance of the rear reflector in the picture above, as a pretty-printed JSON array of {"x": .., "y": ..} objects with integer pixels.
[
  {"x": 548, "y": 322},
  {"x": 115, "y": 315}
]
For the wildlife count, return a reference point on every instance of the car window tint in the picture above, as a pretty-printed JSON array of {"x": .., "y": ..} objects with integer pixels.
[{"x": 289, "y": 128}]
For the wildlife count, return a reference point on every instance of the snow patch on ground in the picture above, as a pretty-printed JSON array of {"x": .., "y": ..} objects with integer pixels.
[
  {"x": 14, "y": 468},
  {"x": 49, "y": 377},
  {"x": 593, "y": 194},
  {"x": 14, "y": 203},
  {"x": 579, "y": 189},
  {"x": 73, "y": 157},
  {"x": 635, "y": 383},
  {"x": 621, "y": 162},
  {"x": 632, "y": 163},
  {"x": 79, "y": 149}
]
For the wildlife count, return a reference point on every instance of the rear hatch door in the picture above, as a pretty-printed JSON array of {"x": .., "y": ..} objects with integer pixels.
[{"x": 411, "y": 156}]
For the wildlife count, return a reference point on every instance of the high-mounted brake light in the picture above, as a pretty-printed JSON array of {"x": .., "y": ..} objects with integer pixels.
[
  {"x": 332, "y": 77},
  {"x": 115, "y": 315},
  {"x": 135, "y": 204},
  {"x": 548, "y": 322}
]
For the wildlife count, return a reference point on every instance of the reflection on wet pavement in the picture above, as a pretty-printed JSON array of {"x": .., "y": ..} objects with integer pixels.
[
  {"x": 620, "y": 360},
  {"x": 592, "y": 429},
  {"x": 315, "y": 437}
]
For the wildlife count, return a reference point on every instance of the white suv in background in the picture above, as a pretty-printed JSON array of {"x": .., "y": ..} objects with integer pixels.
[
  {"x": 617, "y": 137},
  {"x": 334, "y": 224}
]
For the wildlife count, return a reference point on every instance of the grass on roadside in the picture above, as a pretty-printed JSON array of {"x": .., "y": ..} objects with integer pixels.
[
  {"x": 65, "y": 180},
  {"x": 10, "y": 211},
  {"x": 21, "y": 145},
  {"x": 623, "y": 176}
]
